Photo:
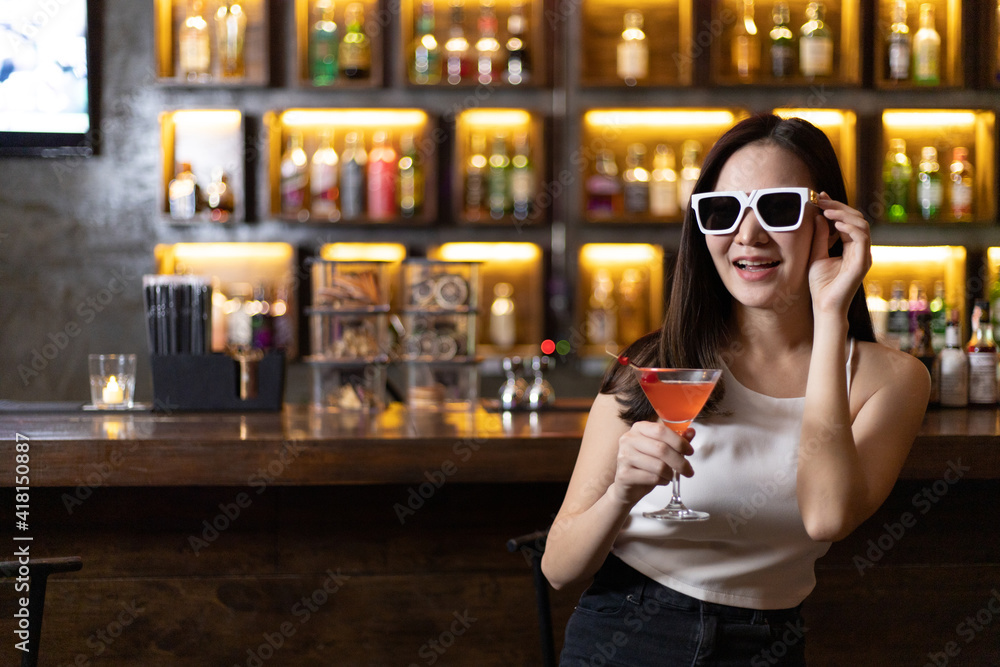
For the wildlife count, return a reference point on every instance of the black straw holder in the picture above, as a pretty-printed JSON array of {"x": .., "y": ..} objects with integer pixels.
[{"x": 211, "y": 382}]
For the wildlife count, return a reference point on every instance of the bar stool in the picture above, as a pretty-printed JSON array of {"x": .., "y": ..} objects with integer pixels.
[
  {"x": 39, "y": 570},
  {"x": 532, "y": 546}
]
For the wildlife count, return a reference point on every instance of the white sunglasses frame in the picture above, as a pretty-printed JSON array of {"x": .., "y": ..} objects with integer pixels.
[{"x": 806, "y": 196}]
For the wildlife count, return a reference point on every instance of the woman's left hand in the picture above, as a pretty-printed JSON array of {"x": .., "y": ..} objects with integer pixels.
[{"x": 833, "y": 281}]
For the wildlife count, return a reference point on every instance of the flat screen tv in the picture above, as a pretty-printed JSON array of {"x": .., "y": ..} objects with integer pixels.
[{"x": 48, "y": 77}]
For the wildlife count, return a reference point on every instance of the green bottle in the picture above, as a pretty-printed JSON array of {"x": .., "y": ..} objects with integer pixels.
[
  {"x": 498, "y": 192},
  {"x": 896, "y": 174},
  {"x": 323, "y": 44},
  {"x": 425, "y": 53},
  {"x": 929, "y": 186}
]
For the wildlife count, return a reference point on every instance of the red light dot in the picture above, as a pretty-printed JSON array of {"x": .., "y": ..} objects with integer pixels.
[{"x": 548, "y": 346}]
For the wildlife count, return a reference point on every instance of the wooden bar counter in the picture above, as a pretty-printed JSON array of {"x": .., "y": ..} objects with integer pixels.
[{"x": 315, "y": 538}]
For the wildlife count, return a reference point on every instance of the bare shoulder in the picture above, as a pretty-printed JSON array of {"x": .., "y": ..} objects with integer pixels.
[{"x": 880, "y": 368}]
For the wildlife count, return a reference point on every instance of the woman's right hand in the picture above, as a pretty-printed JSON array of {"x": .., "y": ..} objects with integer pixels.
[{"x": 648, "y": 453}]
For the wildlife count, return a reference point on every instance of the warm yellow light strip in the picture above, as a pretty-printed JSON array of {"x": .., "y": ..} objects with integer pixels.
[
  {"x": 488, "y": 252},
  {"x": 928, "y": 119},
  {"x": 818, "y": 117},
  {"x": 669, "y": 118},
  {"x": 487, "y": 118},
  {"x": 221, "y": 117},
  {"x": 618, "y": 253},
  {"x": 353, "y": 117},
  {"x": 363, "y": 252},
  {"x": 208, "y": 251},
  {"x": 915, "y": 254}
]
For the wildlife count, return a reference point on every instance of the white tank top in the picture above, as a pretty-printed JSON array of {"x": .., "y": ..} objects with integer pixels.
[{"x": 753, "y": 551}]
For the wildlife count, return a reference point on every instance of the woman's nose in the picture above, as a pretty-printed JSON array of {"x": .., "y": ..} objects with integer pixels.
[{"x": 750, "y": 232}]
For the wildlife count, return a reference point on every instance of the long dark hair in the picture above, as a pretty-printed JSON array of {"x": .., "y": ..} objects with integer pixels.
[{"x": 695, "y": 328}]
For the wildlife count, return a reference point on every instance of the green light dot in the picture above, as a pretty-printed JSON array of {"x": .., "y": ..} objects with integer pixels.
[{"x": 563, "y": 347}]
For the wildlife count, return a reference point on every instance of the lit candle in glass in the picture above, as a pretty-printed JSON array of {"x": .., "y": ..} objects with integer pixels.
[{"x": 112, "y": 392}]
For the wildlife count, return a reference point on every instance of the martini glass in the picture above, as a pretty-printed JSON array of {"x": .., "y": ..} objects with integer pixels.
[{"x": 677, "y": 395}]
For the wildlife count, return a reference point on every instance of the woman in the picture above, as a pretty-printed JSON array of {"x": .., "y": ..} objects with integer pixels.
[{"x": 801, "y": 441}]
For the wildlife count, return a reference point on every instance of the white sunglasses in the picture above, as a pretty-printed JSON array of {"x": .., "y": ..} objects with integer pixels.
[{"x": 777, "y": 209}]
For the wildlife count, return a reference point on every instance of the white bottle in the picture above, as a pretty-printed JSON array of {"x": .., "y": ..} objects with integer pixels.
[
  {"x": 503, "y": 328},
  {"x": 952, "y": 369}
]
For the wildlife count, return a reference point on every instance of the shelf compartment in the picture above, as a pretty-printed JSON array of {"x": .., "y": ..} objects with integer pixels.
[
  {"x": 251, "y": 68},
  {"x": 442, "y": 385},
  {"x": 944, "y": 129},
  {"x": 310, "y": 125},
  {"x": 308, "y": 13},
  {"x": 840, "y": 126},
  {"x": 391, "y": 255},
  {"x": 238, "y": 270},
  {"x": 212, "y": 143},
  {"x": 843, "y": 19},
  {"x": 504, "y": 137},
  {"x": 536, "y": 38},
  {"x": 668, "y": 28},
  {"x": 440, "y": 286},
  {"x": 615, "y": 130},
  {"x": 619, "y": 295},
  {"x": 948, "y": 24},
  {"x": 348, "y": 386},
  {"x": 350, "y": 336},
  {"x": 909, "y": 264},
  {"x": 514, "y": 267}
]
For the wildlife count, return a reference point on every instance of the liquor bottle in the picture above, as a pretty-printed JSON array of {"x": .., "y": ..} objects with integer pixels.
[
  {"x": 522, "y": 178},
  {"x": 898, "y": 44},
  {"x": 982, "y": 353},
  {"x": 219, "y": 197},
  {"x": 919, "y": 306},
  {"x": 690, "y": 171},
  {"x": 324, "y": 188},
  {"x": 382, "y": 166},
  {"x": 518, "y": 69},
  {"x": 746, "y": 45},
  {"x": 294, "y": 170},
  {"x": 475, "y": 178},
  {"x": 927, "y": 49},
  {"x": 230, "y": 34},
  {"x": 633, "y": 50},
  {"x": 456, "y": 49},
  {"x": 633, "y": 313},
  {"x": 604, "y": 189},
  {"x": 411, "y": 178},
  {"x": 939, "y": 316},
  {"x": 353, "y": 163},
  {"x": 488, "y": 56},
  {"x": 497, "y": 191},
  {"x": 602, "y": 315},
  {"x": 961, "y": 181},
  {"x": 929, "y": 187},
  {"x": 781, "y": 41},
  {"x": 503, "y": 323},
  {"x": 355, "y": 53},
  {"x": 816, "y": 43},
  {"x": 425, "y": 53},
  {"x": 896, "y": 174},
  {"x": 924, "y": 351},
  {"x": 897, "y": 334},
  {"x": 994, "y": 299},
  {"x": 182, "y": 193},
  {"x": 952, "y": 368},
  {"x": 324, "y": 40},
  {"x": 636, "y": 180},
  {"x": 878, "y": 307},
  {"x": 194, "y": 54},
  {"x": 663, "y": 184}
]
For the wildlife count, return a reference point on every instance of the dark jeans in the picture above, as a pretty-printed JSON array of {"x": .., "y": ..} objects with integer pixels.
[{"x": 627, "y": 619}]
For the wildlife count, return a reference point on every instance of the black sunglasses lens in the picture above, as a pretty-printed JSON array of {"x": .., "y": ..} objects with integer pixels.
[
  {"x": 717, "y": 213},
  {"x": 780, "y": 209}
]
